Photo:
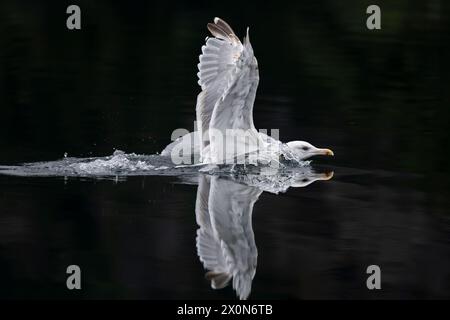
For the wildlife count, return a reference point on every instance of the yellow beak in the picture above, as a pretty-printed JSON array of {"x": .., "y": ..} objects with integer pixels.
[
  {"x": 327, "y": 152},
  {"x": 329, "y": 175},
  {"x": 326, "y": 176}
]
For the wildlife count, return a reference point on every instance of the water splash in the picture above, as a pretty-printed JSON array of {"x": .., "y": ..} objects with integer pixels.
[{"x": 120, "y": 165}]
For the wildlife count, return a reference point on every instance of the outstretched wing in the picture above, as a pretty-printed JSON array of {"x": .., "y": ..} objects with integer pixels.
[
  {"x": 234, "y": 109},
  {"x": 217, "y": 62},
  {"x": 232, "y": 116}
]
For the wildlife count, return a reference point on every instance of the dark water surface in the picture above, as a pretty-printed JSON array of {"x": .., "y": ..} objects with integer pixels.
[{"x": 379, "y": 99}]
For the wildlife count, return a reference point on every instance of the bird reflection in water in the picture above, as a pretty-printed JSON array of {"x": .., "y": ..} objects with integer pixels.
[{"x": 225, "y": 240}]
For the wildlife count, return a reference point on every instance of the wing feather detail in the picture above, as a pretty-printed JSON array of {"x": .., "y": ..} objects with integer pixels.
[{"x": 215, "y": 70}]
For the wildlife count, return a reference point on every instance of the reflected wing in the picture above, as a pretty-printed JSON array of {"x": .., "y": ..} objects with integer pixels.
[
  {"x": 217, "y": 62},
  {"x": 231, "y": 207},
  {"x": 209, "y": 248}
]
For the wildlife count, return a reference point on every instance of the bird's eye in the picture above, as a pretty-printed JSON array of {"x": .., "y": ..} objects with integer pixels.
[
  {"x": 305, "y": 148},
  {"x": 305, "y": 180}
]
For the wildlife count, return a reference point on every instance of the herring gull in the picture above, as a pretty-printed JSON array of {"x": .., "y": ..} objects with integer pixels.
[{"x": 228, "y": 76}]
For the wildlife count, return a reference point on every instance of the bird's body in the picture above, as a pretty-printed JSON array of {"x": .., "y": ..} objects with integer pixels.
[{"x": 228, "y": 75}]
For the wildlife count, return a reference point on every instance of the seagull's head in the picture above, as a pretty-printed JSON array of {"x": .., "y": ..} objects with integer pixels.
[{"x": 305, "y": 150}]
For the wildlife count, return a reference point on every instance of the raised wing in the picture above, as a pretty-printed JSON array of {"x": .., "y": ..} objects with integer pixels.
[
  {"x": 235, "y": 106},
  {"x": 233, "y": 112},
  {"x": 217, "y": 62}
]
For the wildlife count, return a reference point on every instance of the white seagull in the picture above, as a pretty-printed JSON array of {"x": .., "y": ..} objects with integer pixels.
[{"x": 228, "y": 75}]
